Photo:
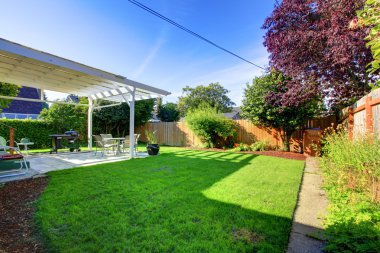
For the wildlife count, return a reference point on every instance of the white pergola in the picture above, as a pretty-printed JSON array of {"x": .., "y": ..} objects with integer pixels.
[{"x": 29, "y": 67}]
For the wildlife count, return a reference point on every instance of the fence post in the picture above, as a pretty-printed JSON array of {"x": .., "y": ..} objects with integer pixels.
[
  {"x": 11, "y": 139},
  {"x": 351, "y": 123},
  {"x": 368, "y": 115}
]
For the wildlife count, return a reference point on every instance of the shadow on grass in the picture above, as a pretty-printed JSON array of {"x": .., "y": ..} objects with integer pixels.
[{"x": 180, "y": 201}]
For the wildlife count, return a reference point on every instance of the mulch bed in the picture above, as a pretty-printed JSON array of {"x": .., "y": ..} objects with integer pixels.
[
  {"x": 281, "y": 154},
  {"x": 16, "y": 215}
]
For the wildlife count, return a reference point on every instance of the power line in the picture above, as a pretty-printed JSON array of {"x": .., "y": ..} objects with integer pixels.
[{"x": 189, "y": 31}]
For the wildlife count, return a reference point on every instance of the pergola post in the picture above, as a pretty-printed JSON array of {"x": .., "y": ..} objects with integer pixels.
[
  {"x": 89, "y": 123},
  {"x": 132, "y": 124}
]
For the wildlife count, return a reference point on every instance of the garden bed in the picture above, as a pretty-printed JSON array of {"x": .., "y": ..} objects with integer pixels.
[{"x": 17, "y": 210}]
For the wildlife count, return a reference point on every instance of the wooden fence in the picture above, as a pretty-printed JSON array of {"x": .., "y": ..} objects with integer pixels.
[
  {"x": 363, "y": 116},
  {"x": 178, "y": 134}
]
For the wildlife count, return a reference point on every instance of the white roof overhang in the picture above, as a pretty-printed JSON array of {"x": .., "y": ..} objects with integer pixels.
[{"x": 29, "y": 67}]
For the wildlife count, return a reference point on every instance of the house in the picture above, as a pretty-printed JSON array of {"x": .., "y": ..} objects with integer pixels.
[
  {"x": 235, "y": 114},
  {"x": 24, "y": 109}
]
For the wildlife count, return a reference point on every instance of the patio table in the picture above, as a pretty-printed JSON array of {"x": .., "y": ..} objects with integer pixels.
[
  {"x": 119, "y": 140},
  {"x": 25, "y": 144}
]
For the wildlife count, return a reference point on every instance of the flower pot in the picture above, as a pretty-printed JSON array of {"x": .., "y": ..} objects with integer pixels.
[{"x": 152, "y": 149}]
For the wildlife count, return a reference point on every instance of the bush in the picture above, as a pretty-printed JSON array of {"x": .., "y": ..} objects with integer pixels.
[
  {"x": 260, "y": 146},
  {"x": 213, "y": 129},
  {"x": 37, "y": 131},
  {"x": 351, "y": 171},
  {"x": 256, "y": 146},
  {"x": 238, "y": 147},
  {"x": 352, "y": 165}
]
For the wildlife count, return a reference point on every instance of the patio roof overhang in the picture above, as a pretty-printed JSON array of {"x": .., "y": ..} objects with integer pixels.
[
  {"x": 33, "y": 68},
  {"x": 29, "y": 67}
]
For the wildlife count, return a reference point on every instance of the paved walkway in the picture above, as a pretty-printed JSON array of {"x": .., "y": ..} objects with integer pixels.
[
  {"x": 311, "y": 208},
  {"x": 42, "y": 163}
]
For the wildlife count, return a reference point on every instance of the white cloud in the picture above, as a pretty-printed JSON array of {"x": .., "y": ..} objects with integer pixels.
[{"x": 149, "y": 58}]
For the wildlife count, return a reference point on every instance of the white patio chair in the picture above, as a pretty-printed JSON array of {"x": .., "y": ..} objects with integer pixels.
[
  {"x": 103, "y": 145},
  {"x": 126, "y": 143}
]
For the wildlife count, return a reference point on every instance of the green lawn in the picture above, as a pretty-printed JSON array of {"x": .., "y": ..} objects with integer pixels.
[{"x": 180, "y": 201}]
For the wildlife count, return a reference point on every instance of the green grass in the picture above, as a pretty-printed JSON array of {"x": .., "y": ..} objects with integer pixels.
[{"x": 180, "y": 201}]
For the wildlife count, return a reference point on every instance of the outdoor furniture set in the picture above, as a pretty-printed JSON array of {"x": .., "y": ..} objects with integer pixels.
[{"x": 118, "y": 145}]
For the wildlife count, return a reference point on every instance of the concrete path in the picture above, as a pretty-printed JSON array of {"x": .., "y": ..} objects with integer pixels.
[
  {"x": 311, "y": 208},
  {"x": 42, "y": 163}
]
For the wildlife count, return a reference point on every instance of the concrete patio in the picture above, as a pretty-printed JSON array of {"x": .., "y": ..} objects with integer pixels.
[{"x": 43, "y": 163}]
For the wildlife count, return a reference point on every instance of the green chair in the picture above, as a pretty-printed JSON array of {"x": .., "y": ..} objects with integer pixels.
[{"x": 3, "y": 143}]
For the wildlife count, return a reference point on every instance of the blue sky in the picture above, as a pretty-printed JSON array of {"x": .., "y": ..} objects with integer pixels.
[{"x": 121, "y": 38}]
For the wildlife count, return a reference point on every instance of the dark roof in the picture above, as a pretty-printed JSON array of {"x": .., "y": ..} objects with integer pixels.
[
  {"x": 235, "y": 114},
  {"x": 25, "y": 107}
]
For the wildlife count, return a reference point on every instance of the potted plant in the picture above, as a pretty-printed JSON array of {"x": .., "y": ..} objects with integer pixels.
[{"x": 152, "y": 144}]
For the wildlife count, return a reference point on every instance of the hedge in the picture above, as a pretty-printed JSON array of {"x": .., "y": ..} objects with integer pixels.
[{"x": 37, "y": 131}]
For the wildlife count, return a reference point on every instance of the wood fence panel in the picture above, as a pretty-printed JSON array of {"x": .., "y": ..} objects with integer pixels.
[
  {"x": 178, "y": 134},
  {"x": 360, "y": 123},
  {"x": 365, "y": 114},
  {"x": 376, "y": 113}
]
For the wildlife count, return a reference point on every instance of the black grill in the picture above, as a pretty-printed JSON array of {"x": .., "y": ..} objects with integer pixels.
[
  {"x": 72, "y": 133},
  {"x": 67, "y": 140}
]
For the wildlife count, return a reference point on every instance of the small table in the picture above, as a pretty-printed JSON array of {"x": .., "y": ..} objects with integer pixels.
[
  {"x": 25, "y": 144},
  {"x": 119, "y": 140}
]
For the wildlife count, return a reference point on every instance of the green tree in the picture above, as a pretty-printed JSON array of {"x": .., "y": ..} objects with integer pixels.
[
  {"x": 370, "y": 16},
  {"x": 7, "y": 89},
  {"x": 115, "y": 119},
  {"x": 274, "y": 101},
  {"x": 168, "y": 112},
  {"x": 64, "y": 117},
  {"x": 214, "y": 95}
]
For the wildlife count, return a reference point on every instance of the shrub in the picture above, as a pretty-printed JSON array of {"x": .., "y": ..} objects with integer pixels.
[
  {"x": 37, "y": 131},
  {"x": 241, "y": 147},
  {"x": 213, "y": 129},
  {"x": 351, "y": 171},
  {"x": 352, "y": 165},
  {"x": 260, "y": 145},
  {"x": 256, "y": 146}
]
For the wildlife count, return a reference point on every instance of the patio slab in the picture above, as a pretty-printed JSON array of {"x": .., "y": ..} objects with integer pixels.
[{"x": 43, "y": 163}]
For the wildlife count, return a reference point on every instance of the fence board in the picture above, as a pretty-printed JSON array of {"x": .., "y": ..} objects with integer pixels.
[{"x": 178, "y": 134}]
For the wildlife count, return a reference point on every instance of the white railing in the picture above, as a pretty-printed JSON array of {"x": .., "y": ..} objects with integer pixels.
[{"x": 19, "y": 116}]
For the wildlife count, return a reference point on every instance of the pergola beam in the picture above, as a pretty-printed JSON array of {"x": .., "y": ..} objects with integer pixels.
[
  {"x": 105, "y": 106},
  {"x": 132, "y": 124},
  {"x": 89, "y": 123},
  {"x": 40, "y": 100}
]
